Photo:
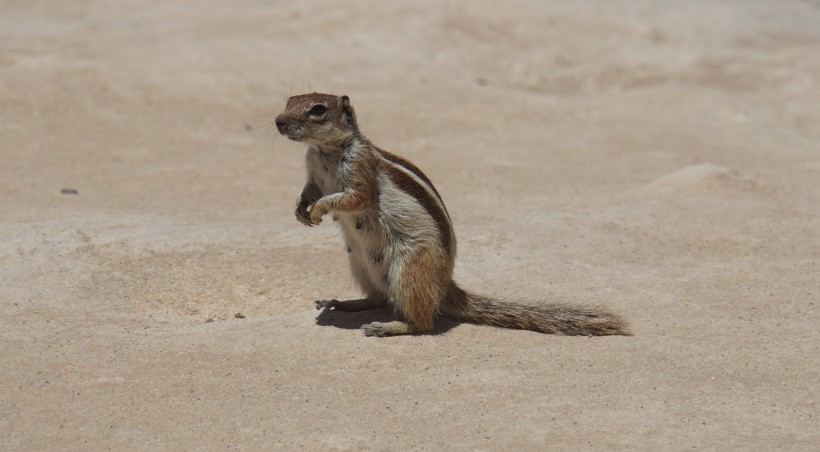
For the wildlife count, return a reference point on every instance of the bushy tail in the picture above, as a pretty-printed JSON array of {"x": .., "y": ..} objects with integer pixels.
[{"x": 550, "y": 318}]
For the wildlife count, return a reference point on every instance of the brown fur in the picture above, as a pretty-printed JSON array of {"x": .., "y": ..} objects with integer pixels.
[
  {"x": 402, "y": 245},
  {"x": 550, "y": 318},
  {"x": 408, "y": 185},
  {"x": 411, "y": 167}
]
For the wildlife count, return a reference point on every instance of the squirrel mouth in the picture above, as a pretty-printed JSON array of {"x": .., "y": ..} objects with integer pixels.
[{"x": 294, "y": 135}]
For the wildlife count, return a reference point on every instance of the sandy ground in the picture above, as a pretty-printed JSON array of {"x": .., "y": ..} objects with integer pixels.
[{"x": 658, "y": 158}]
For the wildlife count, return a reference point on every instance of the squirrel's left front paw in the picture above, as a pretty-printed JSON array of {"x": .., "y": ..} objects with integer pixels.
[{"x": 316, "y": 212}]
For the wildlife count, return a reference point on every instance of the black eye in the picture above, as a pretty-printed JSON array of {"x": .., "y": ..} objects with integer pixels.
[{"x": 317, "y": 110}]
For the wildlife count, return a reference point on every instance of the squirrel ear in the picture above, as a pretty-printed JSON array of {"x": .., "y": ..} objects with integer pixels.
[{"x": 347, "y": 110}]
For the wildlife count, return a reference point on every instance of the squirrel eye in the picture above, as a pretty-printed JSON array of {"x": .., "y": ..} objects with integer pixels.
[{"x": 317, "y": 110}]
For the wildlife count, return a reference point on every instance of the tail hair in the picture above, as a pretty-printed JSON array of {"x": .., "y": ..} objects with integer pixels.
[{"x": 550, "y": 318}]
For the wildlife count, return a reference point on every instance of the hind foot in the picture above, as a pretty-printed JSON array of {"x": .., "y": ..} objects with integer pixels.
[
  {"x": 394, "y": 328},
  {"x": 326, "y": 304},
  {"x": 349, "y": 305}
]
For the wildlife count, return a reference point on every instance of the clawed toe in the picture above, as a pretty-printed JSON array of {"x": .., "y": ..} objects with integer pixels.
[{"x": 326, "y": 304}]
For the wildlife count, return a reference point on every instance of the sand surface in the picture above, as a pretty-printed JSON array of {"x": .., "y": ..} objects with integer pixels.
[{"x": 658, "y": 158}]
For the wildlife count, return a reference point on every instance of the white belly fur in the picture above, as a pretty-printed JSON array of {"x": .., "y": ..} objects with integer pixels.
[{"x": 387, "y": 234}]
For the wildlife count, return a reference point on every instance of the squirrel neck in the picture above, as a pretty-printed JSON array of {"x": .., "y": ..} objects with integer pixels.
[{"x": 337, "y": 148}]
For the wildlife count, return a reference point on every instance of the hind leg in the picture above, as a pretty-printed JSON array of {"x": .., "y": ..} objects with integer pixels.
[
  {"x": 416, "y": 288},
  {"x": 394, "y": 328},
  {"x": 351, "y": 305},
  {"x": 374, "y": 296}
]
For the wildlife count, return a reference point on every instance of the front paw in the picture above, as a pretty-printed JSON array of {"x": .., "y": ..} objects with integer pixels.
[
  {"x": 302, "y": 214},
  {"x": 318, "y": 210}
]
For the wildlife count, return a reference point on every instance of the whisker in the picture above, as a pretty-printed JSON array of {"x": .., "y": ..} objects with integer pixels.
[{"x": 282, "y": 87}]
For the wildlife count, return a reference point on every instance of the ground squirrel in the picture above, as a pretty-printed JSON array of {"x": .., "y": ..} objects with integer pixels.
[{"x": 398, "y": 233}]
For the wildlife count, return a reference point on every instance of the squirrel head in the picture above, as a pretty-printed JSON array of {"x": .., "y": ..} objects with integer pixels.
[{"x": 318, "y": 119}]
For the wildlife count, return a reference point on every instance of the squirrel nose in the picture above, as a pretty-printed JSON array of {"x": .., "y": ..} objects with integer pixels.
[{"x": 281, "y": 124}]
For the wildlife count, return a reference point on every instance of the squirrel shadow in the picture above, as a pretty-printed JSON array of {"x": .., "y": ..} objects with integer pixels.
[{"x": 355, "y": 320}]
